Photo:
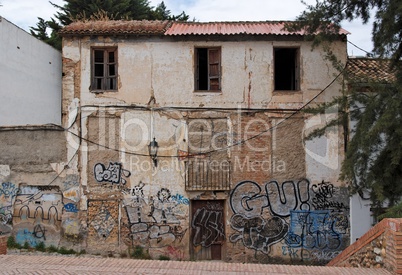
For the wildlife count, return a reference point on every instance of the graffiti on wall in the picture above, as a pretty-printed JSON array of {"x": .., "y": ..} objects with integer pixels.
[
  {"x": 319, "y": 229},
  {"x": 323, "y": 197},
  {"x": 153, "y": 221},
  {"x": 8, "y": 192},
  {"x": 103, "y": 218},
  {"x": 37, "y": 214},
  {"x": 249, "y": 199},
  {"x": 103, "y": 223},
  {"x": 208, "y": 225},
  {"x": 114, "y": 173},
  {"x": 258, "y": 233},
  {"x": 304, "y": 218}
]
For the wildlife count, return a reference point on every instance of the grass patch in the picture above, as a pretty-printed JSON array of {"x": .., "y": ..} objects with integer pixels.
[
  {"x": 11, "y": 243},
  {"x": 164, "y": 258},
  {"x": 139, "y": 253},
  {"x": 64, "y": 251},
  {"x": 40, "y": 247},
  {"x": 26, "y": 246},
  {"x": 52, "y": 249}
]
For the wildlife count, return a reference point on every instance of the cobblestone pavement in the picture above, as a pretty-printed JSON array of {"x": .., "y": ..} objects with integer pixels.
[{"x": 26, "y": 264}]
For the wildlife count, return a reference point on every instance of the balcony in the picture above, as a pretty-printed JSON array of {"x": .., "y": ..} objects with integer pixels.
[{"x": 203, "y": 175}]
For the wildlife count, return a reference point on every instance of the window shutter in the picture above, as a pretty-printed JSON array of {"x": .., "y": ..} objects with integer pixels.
[{"x": 214, "y": 67}]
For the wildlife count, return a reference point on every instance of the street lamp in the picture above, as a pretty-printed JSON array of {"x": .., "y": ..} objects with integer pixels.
[{"x": 153, "y": 151}]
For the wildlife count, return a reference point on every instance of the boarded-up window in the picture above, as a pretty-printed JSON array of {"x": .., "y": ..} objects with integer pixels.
[
  {"x": 104, "y": 69},
  {"x": 208, "y": 73}
]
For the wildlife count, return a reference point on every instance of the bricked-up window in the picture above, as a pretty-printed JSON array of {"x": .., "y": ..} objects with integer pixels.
[
  {"x": 104, "y": 69},
  {"x": 286, "y": 69},
  {"x": 208, "y": 73}
]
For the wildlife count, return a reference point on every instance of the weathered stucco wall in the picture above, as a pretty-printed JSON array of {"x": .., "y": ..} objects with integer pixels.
[
  {"x": 271, "y": 211},
  {"x": 32, "y": 173},
  {"x": 165, "y": 69},
  {"x": 256, "y": 192}
]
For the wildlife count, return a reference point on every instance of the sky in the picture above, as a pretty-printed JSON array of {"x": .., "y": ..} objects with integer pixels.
[{"x": 24, "y": 14}]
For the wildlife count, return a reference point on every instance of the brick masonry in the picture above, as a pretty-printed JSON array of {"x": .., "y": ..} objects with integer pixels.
[
  {"x": 3, "y": 244},
  {"x": 380, "y": 247}
]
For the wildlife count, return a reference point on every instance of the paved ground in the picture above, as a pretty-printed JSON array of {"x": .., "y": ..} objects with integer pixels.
[{"x": 25, "y": 264}]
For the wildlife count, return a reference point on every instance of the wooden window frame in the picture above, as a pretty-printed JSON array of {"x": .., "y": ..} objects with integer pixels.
[
  {"x": 209, "y": 77},
  {"x": 295, "y": 82},
  {"x": 101, "y": 83}
]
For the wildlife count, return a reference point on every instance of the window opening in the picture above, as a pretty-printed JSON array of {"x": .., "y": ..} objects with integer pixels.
[
  {"x": 208, "y": 69},
  {"x": 104, "y": 74},
  {"x": 286, "y": 69}
]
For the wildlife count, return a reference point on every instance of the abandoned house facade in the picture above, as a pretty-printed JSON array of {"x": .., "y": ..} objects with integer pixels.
[{"x": 188, "y": 139}]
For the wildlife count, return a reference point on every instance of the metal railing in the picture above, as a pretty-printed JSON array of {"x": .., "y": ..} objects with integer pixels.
[{"x": 208, "y": 175}]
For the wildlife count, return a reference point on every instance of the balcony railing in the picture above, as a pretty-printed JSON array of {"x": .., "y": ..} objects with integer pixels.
[{"x": 207, "y": 175}]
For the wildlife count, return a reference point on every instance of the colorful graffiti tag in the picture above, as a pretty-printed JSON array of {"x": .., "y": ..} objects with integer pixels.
[
  {"x": 37, "y": 214},
  {"x": 304, "y": 218}
]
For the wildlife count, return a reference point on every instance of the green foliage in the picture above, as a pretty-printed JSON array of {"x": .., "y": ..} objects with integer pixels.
[
  {"x": 11, "y": 243},
  {"x": 373, "y": 160},
  {"x": 62, "y": 250},
  {"x": 392, "y": 212},
  {"x": 52, "y": 249},
  {"x": 139, "y": 253},
  {"x": 40, "y": 247},
  {"x": 74, "y": 10},
  {"x": 326, "y": 16},
  {"x": 26, "y": 245},
  {"x": 164, "y": 258}
]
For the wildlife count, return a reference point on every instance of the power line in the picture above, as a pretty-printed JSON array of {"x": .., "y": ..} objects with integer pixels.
[
  {"x": 239, "y": 143},
  {"x": 55, "y": 178},
  {"x": 369, "y": 54}
]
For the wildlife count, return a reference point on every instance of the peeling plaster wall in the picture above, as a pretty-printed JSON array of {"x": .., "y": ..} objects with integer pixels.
[
  {"x": 30, "y": 77},
  {"x": 165, "y": 69},
  {"x": 283, "y": 201},
  {"x": 33, "y": 175}
]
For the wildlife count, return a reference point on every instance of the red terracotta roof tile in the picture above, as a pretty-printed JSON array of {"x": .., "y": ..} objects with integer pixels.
[
  {"x": 114, "y": 27},
  {"x": 233, "y": 28},
  {"x": 170, "y": 28},
  {"x": 366, "y": 70}
]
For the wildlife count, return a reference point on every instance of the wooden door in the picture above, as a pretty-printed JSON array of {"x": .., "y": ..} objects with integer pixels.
[{"x": 207, "y": 229}]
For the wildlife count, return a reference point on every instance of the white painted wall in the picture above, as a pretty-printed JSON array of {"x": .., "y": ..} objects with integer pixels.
[
  {"x": 30, "y": 79},
  {"x": 360, "y": 217}
]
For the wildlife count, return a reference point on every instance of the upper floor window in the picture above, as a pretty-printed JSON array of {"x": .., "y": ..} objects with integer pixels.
[
  {"x": 104, "y": 69},
  {"x": 208, "y": 72},
  {"x": 286, "y": 69}
]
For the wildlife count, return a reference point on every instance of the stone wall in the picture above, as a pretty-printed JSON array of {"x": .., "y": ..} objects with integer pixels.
[{"x": 380, "y": 247}]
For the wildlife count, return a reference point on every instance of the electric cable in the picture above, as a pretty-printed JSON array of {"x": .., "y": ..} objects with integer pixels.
[{"x": 241, "y": 142}]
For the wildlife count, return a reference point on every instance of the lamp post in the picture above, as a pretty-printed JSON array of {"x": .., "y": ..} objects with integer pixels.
[{"x": 153, "y": 151}]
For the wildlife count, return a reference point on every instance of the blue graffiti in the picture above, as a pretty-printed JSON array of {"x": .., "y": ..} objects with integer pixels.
[
  {"x": 180, "y": 199},
  {"x": 314, "y": 229},
  {"x": 25, "y": 236},
  {"x": 71, "y": 207},
  {"x": 8, "y": 189}
]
